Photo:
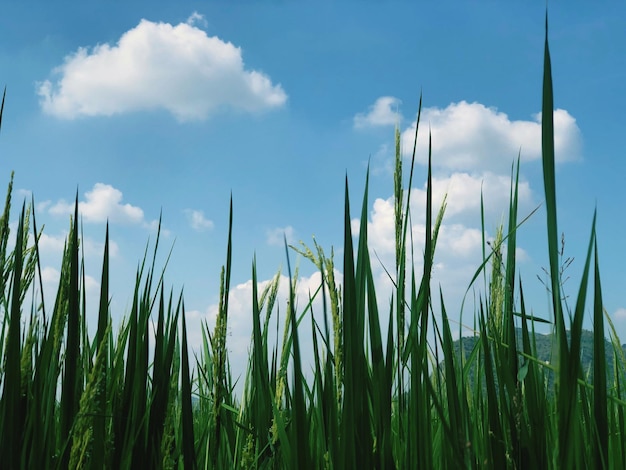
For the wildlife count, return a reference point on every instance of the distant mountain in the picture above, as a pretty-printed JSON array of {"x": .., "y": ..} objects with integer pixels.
[{"x": 545, "y": 345}]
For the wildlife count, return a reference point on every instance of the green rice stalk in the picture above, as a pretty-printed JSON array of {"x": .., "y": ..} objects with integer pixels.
[
  {"x": 220, "y": 380},
  {"x": 189, "y": 455},
  {"x": 72, "y": 374},
  {"x": 565, "y": 400},
  {"x": 261, "y": 399},
  {"x": 12, "y": 402},
  {"x": 419, "y": 411},
  {"x": 537, "y": 426},
  {"x": 4, "y": 95},
  {"x": 400, "y": 297},
  {"x": 496, "y": 450},
  {"x": 298, "y": 427},
  {"x": 600, "y": 411},
  {"x": 101, "y": 368},
  {"x": 5, "y": 272},
  {"x": 355, "y": 420},
  {"x": 458, "y": 446}
]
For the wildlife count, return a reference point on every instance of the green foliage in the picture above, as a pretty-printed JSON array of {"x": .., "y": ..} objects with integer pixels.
[{"x": 507, "y": 398}]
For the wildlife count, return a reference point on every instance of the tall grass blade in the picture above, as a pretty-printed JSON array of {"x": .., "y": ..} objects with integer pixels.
[
  {"x": 403, "y": 223},
  {"x": 548, "y": 159},
  {"x": 365, "y": 298},
  {"x": 299, "y": 412},
  {"x": 456, "y": 452},
  {"x": 13, "y": 400},
  {"x": 36, "y": 235},
  {"x": 349, "y": 457},
  {"x": 220, "y": 380},
  {"x": 5, "y": 272},
  {"x": 261, "y": 399},
  {"x": 4, "y": 95},
  {"x": 538, "y": 425},
  {"x": 570, "y": 403},
  {"x": 189, "y": 455},
  {"x": 99, "y": 424},
  {"x": 564, "y": 387},
  {"x": 72, "y": 378},
  {"x": 600, "y": 396},
  {"x": 496, "y": 450}
]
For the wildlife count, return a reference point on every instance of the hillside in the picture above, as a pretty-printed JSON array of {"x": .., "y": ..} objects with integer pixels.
[{"x": 544, "y": 345}]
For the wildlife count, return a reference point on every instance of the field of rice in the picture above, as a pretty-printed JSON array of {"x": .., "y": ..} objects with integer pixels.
[{"x": 380, "y": 396}]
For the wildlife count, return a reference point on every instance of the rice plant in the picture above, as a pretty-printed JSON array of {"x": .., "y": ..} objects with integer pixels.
[{"x": 413, "y": 398}]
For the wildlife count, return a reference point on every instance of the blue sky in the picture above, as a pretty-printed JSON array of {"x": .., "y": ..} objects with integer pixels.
[{"x": 149, "y": 107}]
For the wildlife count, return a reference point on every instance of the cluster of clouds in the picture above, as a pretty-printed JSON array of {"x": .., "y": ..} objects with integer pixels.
[
  {"x": 192, "y": 75},
  {"x": 198, "y": 220},
  {"x": 104, "y": 203},
  {"x": 240, "y": 321},
  {"x": 277, "y": 236},
  {"x": 472, "y": 136},
  {"x": 473, "y": 150},
  {"x": 474, "y": 147},
  {"x": 384, "y": 112},
  {"x": 156, "y": 65}
]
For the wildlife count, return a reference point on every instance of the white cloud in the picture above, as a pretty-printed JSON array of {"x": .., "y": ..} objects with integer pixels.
[
  {"x": 455, "y": 239},
  {"x": 51, "y": 243},
  {"x": 50, "y": 278},
  {"x": 158, "y": 66},
  {"x": 620, "y": 314},
  {"x": 153, "y": 226},
  {"x": 25, "y": 194},
  {"x": 54, "y": 244},
  {"x": 49, "y": 275},
  {"x": 459, "y": 241},
  {"x": 473, "y": 151},
  {"x": 382, "y": 163},
  {"x": 42, "y": 206},
  {"x": 459, "y": 247},
  {"x": 463, "y": 196},
  {"x": 91, "y": 285},
  {"x": 240, "y": 317},
  {"x": 473, "y": 137},
  {"x": 276, "y": 236},
  {"x": 463, "y": 192},
  {"x": 101, "y": 203},
  {"x": 197, "y": 18},
  {"x": 96, "y": 249},
  {"x": 198, "y": 221},
  {"x": 384, "y": 112}
]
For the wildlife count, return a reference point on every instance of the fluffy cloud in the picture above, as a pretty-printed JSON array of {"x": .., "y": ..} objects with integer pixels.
[
  {"x": 49, "y": 275},
  {"x": 459, "y": 246},
  {"x": 96, "y": 249},
  {"x": 382, "y": 113},
  {"x": 24, "y": 194},
  {"x": 240, "y": 317},
  {"x": 102, "y": 203},
  {"x": 276, "y": 236},
  {"x": 620, "y": 314},
  {"x": 51, "y": 243},
  {"x": 54, "y": 245},
  {"x": 455, "y": 240},
  {"x": 198, "y": 221},
  {"x": 158, "y": 66},
  {"x": 463, "y": 192},
  {"x": 471, "y": 137}
]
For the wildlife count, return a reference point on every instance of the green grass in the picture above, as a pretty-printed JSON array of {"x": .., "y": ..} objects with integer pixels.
[{"x": 407, "y": 400}]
